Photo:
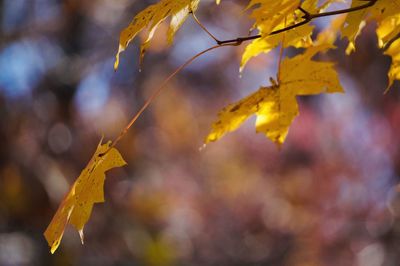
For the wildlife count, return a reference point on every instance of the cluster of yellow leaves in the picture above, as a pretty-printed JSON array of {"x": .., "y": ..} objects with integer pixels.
[
  {"x": 382, "y": 10},
  {"x": 271, "y": 15},
  {"x": 274, "y": 15},
  {"x": 87, "y": 190},
  {"x": 386, "y": 13},
  {"x": 271, "y": 104},
  {"x": 275, "y": 106}
]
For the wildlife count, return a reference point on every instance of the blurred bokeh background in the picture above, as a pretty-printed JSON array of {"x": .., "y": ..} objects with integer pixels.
[{"x": 329, "y": 197}]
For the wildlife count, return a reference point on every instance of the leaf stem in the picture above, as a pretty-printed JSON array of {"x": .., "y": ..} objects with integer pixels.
[
  {"x": 163, "y": 85},
  {"x": 278, "y": 76},
  {"x": 204, "y": 28}
]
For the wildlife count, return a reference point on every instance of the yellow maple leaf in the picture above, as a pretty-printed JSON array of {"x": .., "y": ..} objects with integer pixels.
[
  {"x": 87, "y": 190},
  {"x": 388, "y": 33},
  {"x": 394, "y": 52},
  {"x": 151, "y": 17},
  {"x": 299, "y": 37},
  {"x": 388, "y": 30},
  {"x": 269, "y": 14},
  {"x": 276, "y": 106},
  {"x": 387, "y": 15},
  {"x": 356, "y": 21}
]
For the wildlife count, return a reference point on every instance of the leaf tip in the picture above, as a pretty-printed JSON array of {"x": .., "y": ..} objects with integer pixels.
[
  {"x": 116, "y": 63},
  {"x": 54, "y": 246},
  {"x": 212, "y": 137},
  {"x": 81, "y": 235},
  {"x": 52, "y": 250}
]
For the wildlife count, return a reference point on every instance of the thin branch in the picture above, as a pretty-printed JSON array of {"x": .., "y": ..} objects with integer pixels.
[
  {"x": 344, "y": 11},
  {"x": 308, "y": 17}
]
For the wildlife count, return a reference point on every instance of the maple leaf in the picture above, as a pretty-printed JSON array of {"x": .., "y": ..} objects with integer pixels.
[
  {"x": 388, "y": 33},
  {"x": 356, "y": 21},
  {"x": 151, "y": 17},
  {"x": 387, "y": 15},
  {"x": 299, "y": 37},
  {"x": 269, "y": 14},
  {"x": 276, "y": 106},
  {"x": 394, "y": 71},
  {"x": 87, "y": 190},
  {"x": 388, "y": 30}
]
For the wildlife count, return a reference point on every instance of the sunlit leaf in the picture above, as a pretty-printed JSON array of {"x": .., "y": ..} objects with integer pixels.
[
  {"x": 388, "y": 30},
  {"x": 394, "y": 52},
  {"x": 269, "y": 14},
  {"x": 276, "y": 106},
  {"x": 151, "y": 17},
  {"x": 87, "y": 190},
  {"x": 299, "y": 37},
  {"x": 356, "y": 21}
]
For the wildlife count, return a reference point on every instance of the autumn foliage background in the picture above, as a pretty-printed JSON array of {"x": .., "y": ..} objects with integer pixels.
[{"x": 329, "y": 197}]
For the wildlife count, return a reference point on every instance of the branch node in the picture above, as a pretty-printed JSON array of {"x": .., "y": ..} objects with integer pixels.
[
  {"x": 204, "y": 27},
  {"x": 307, "y": 15}
]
